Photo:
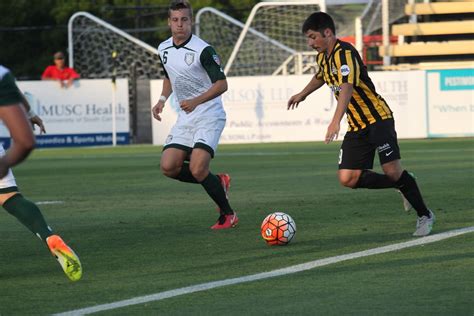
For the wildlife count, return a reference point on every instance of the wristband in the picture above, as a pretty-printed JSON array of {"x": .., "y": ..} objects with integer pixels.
[{"x": 163, "y": 98}]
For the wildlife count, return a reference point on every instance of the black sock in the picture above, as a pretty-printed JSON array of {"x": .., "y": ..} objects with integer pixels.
[
  {"x": 185, "y": 174},
  {"x": 214, "y": 188},
  {"x": 29, "y": 215},
  {"x": 407, "y": 185},
  {"x": 372, "y": 180}
]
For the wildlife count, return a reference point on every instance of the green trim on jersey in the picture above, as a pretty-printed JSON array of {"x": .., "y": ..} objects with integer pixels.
[
  {"x": 183, "y": 44},
  {"x": 211, "y": 63},
  {"x": 8, "y": 190},
  {"x": 163, "y": 66},
  {"x": 9, "y": 92}
]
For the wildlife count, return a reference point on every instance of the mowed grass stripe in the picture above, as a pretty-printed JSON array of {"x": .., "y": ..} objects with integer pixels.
[{"x": 265, "y": 275}]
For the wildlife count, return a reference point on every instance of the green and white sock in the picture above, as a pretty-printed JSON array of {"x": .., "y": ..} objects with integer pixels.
[{"x": 29, "y": 215}]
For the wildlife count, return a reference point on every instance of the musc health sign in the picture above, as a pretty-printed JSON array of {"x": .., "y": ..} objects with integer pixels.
[{"x": 77, "y": 116}]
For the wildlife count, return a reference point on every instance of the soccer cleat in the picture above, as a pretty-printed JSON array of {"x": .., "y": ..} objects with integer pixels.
[
  {"x": 66, "y": 257},
  {"x": 424, "y": 225},
  {"x": 406, "y": 204},
  {"x": 226, "y": 221},
  {"x": 225, "y": 182}
]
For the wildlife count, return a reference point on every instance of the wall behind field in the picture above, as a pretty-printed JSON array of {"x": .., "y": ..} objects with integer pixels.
[
  {"x": 434, "y": 103},
  {"x": 437, "y": 103}
]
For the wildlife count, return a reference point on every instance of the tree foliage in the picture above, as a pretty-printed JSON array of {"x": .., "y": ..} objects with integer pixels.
[{"x": 31, "y": 31}]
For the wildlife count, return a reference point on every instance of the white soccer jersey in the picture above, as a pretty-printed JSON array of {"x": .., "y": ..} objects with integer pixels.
[
  {"x": 7, "y": 181},
  {"x": 192, "y": 68}
]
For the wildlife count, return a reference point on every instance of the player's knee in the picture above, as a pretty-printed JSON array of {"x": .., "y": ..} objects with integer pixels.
[
  {"x": 348, "y": 180},
  {"x": 199, "y": 172},
  {"x": 169, "y": 170}
]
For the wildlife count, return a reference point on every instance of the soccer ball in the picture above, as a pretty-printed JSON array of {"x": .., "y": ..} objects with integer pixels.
[{"x": 278, "y": 229}]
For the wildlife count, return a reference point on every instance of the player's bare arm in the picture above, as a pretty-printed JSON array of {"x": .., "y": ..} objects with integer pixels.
[
  {"x": 312, "y": 86},
  {"x": 217, "y": 88},
  {"x": 15, "y": 119},
  {"x": 342, "y": 103},
  {"x": 165, "y": 93}
]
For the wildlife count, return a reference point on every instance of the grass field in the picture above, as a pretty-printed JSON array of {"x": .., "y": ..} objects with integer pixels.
[{"x": 139, "y": 233}]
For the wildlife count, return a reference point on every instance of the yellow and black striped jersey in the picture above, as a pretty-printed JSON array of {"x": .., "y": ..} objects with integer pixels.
[{"x": 344, "y": 65}]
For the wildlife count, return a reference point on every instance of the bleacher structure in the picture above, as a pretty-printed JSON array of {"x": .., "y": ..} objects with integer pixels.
[{"x": 438, "y": 35}]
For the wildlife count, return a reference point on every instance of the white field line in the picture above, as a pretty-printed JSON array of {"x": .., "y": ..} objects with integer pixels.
[
  {"x": 266, "y": 275},
  {"x": 48, "y": 202}
]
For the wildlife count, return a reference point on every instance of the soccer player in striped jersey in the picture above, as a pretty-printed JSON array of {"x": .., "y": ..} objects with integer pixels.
[
  {"x": 371, "y": 123},
  {"x": 193, "y": 73},
  {"x": 12, "y": 112}
]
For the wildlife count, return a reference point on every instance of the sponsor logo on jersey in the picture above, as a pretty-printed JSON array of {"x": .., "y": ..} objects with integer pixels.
[
  {"x": 169, "y": 139},
  {"x": 345, "y": 70},
  {"x": 333, "y": 70},
  {"x": 335, "y": 89},
  {"x": 189, "y": 58},
  {"x": 384, "y": 147}
]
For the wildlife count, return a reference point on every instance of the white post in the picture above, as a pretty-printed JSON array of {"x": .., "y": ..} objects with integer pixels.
[
  {"x": 70, "y": 43},
  {"x": 412, "y": 18},
  {"x": 385, "y": 32},
  {"x": 114, "y": 100},
  {"x": 114, "y": 124},
  {"x": 359, "y": 35}
]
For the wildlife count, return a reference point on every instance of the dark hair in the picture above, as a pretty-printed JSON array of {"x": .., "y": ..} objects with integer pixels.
[
  {"x": 178, "y": 5},
  {"x": 318, "y": 22}
]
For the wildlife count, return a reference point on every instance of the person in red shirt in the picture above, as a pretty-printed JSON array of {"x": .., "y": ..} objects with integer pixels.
[{"x": 59, "y": 71}]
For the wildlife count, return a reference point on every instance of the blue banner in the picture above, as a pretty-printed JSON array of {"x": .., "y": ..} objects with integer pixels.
[
  {"x": 456, "y": 79},
  {"x": 74, "y": 140}
]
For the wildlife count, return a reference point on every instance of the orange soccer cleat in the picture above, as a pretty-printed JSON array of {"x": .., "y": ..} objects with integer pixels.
[{"x": 66, "y": 257}]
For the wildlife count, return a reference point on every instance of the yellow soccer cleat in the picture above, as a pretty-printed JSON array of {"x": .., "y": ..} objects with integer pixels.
[{"x": 66, "y": 257}]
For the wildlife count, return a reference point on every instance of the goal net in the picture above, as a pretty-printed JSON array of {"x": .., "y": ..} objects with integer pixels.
[
  {"x": 371, "y": 17},
  {"x": 271, "y": 34},
  {"x": 97, "y": 49},
  {"x": 271, "y": 41}
]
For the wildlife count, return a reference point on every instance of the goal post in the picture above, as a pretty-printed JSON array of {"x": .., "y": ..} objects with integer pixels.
[
  {"x": 91, "y": 42},
  {"x": 285, "y": 18}
]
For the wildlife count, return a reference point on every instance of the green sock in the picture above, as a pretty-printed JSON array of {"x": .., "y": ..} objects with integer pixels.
[
  {"x": 29, "y": 215},
  {"x": 185, "y": 174},
  {"x": 214, "y": 188}
]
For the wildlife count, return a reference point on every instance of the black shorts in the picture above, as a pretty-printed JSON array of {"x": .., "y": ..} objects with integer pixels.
[{"x": 358, "y": 148}]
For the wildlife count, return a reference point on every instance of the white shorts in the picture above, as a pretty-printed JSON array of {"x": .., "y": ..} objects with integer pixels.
[
  {"x": 200, "y": 132},
  {"x": 7, "y": 181}
]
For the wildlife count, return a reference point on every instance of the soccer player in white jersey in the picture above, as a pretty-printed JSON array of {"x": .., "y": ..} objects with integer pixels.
[
  {"x": 193, "y": 72},
  {"x": 12, "y": 113}
]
